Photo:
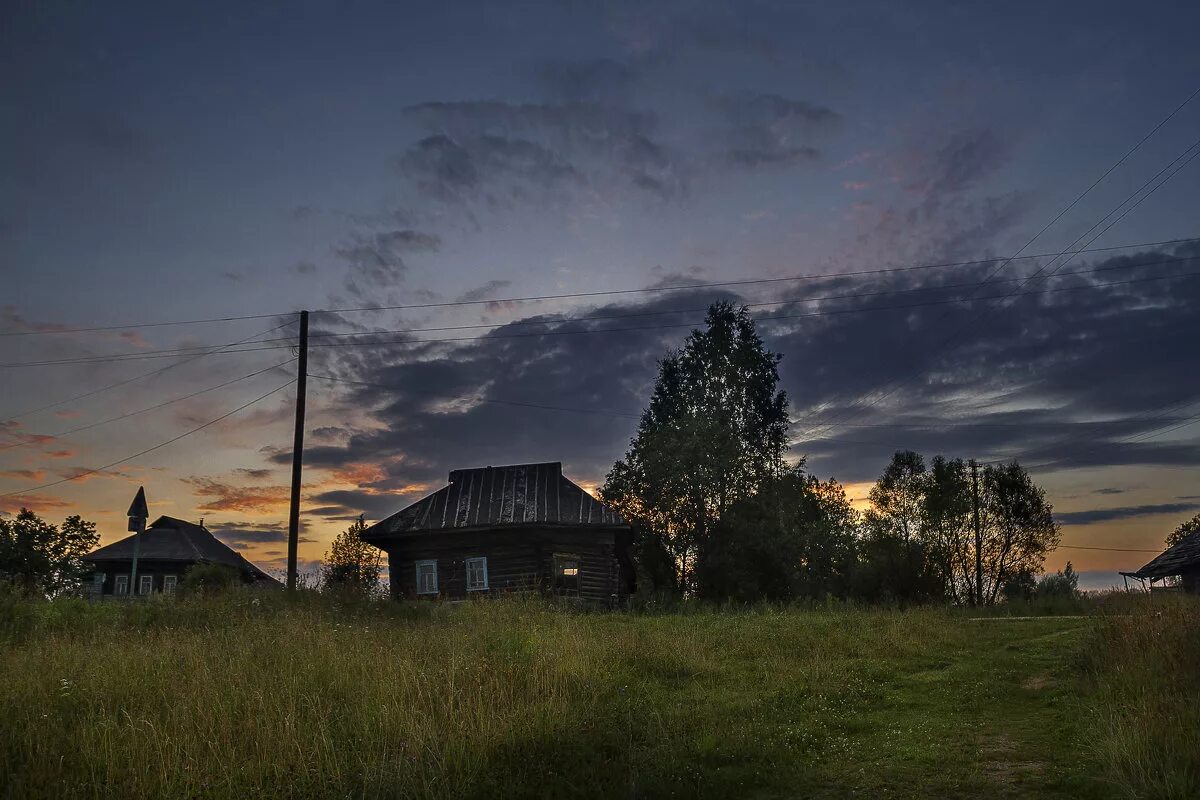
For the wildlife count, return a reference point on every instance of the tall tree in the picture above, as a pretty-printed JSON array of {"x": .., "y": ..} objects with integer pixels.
[
  {"x": 40, "y": 558},
  {"x": 970, "y": 545},
  {"x": 1184, "y": 530},
  {"x": 715, "y": 429},
  {"x": 947, "y": 512},
  {"x": 794, "y": 537},
  {"x": 896, "y": 512},
  {"x": 1018, "y": 527},
  {"x": 350, "y": 564}
]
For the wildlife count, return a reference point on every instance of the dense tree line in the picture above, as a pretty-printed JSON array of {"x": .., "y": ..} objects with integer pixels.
[
  {"x": 721, "y": 514},
  {"x": 40, "y": 558}
]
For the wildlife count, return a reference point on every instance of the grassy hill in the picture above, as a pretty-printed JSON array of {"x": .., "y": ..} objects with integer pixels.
[{"x": 251, "y": 695}]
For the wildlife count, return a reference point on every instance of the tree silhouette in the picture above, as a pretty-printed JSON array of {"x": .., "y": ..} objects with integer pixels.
[{"x": 714, "y": 430}]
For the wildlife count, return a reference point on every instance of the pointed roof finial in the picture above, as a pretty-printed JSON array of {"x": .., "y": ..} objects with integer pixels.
[{"x": 138, "y": 508}]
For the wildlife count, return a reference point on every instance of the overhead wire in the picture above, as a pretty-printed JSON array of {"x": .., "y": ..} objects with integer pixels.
[
  {"x": 571, "y": 295},
  {"x": 860, "y": 407},
  {"x": 594, "y": 331},
  {"x": 136, "y": 378},
  {"x": 140, "y": 453},
  {"x": 41, "y": 438}
]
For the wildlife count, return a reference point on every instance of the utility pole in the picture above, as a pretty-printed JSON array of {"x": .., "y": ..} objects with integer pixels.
[
  {"x": 138, "y": 513},
  {"x": 297, "y": 453},
  {"x": 978, "y": 534}
]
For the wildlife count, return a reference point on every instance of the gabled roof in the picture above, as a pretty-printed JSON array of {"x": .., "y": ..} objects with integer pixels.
[
  {"x": 1175, "y": 559},
  {"x": 490, "y": 497},
  {"x": 171, "y": 539}
]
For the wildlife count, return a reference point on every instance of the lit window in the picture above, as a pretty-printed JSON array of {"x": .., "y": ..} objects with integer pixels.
[
  {"x": 427, "y": 581},
  {"x": 122, "y": 585},
  {"x": 566, "y": 573},
  {"x": 169, "y": 583},
  {"x": 477, "y": 577},
  {"x": 145, "y": 584}
]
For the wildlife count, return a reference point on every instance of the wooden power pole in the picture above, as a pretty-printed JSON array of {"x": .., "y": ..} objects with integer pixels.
[
  {"x": 978, "y": 533},
  {"x": 297, "y": 453}
]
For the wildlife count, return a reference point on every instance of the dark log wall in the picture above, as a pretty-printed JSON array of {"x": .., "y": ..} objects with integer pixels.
[{"x": 518, "y": 560}]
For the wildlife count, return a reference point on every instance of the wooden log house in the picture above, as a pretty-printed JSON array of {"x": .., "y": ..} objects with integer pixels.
[
  {"x": 166, "y": 551},
  {"x": 523, "y": 527}
]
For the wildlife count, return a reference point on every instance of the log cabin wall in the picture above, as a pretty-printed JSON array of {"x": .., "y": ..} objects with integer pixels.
[{"x": 518, "y": 559}]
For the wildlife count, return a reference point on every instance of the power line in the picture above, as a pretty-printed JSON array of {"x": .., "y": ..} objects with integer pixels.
[
  {"x": 127, "y": 381},
  {"x": 691, "y": 324},
  {"x": 775, "y": 318},
  {"x": 37, "y": 438},
  {"x": 1108, "y": 549},
  {"x": 100, "y": 328},
  {"x": 111, "y": 464},
  {"x": 763, "y": 304},
  {"x": 916, "y": 373},
  {"x": 598, "y": 293}
]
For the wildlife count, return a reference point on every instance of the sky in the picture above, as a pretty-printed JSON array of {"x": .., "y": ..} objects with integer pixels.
[{"x": 234, "y": 160}]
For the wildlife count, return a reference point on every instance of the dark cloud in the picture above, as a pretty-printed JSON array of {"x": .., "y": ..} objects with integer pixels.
[
  {"x": 482, "y": 292},
  {"x": 1109, "y": 490},
  {"x": 1123, "y": 512},
  {"x": 966, "y": 157},
  {"x": 770, "y": 130},
  {"x": 493, "y": 154},
  {"x": 944, "y": 213},
  {"x": 241, "y": 534},
  {"x": 377, "y": 260},
  {"x": 1060, "y": 380},
  {"x": 255, "y": 474},
  {"x": 348, "y": 505}
]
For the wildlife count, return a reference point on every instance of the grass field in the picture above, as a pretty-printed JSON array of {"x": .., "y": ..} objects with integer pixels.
[{"x": 244, "y": 696}]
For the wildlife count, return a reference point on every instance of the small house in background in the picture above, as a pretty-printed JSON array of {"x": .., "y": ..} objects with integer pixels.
[
  {"x": 1181, "y": 560},
  {"x": 499, "y": 529},
  {"x": 168, "y": 548}
]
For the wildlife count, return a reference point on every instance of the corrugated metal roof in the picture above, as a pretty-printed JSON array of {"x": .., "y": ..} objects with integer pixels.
[
  {"x": 171, "y": 539},
  {"x": 520, "y": 494},
  {"x": 1172, "y": 561}
]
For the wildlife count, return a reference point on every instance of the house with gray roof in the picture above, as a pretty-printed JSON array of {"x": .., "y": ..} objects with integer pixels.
[
  {"x": 166, "y": 550},
  {"x": 523, "y": 527}
]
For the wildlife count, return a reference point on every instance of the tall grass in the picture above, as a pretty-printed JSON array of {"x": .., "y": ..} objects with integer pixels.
[
  {"x": 255, "y": 695},
  {"x": 1145, "y": 668}
]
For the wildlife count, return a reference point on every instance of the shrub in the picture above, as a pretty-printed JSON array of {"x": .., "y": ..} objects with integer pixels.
[{"x": 209, "y": 579}]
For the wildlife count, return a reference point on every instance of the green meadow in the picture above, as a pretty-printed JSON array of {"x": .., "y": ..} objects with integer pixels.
[{"x": 257, "y": 696}]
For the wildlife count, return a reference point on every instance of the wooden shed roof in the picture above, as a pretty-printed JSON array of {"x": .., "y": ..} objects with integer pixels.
[
  {"x": 171, "y": 539},
  {"x": 488, "y": 497},
  {"x": 1183, "y": 555}
]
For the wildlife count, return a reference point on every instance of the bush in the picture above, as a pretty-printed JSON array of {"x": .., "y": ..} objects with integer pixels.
[
  {"x": 209, "y": 579},
  {"x": 1064, "y": 583}
]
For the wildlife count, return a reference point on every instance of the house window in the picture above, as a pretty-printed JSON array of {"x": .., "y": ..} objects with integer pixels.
[
  {"x": 122, "y": 585},
  {"x": 145, "y": 584},
  {"x": 98, "y": 583},
  {"x": 427, "y": 582},
  {"x": 169, "y": 583},
  {"x": 477, "y": 577},
  {"x": 566, "y": 573}
]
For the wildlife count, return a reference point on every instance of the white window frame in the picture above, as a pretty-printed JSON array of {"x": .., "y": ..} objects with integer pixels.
[
  {"x": 142, "y": 579},
  {"x": 170, "y": 583},
  {"x": 467, "y": 564},
  {"x": 121, "y": 581},
  {"x": 427, "y": 562},
  {"x": 98, "y": 582}
]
